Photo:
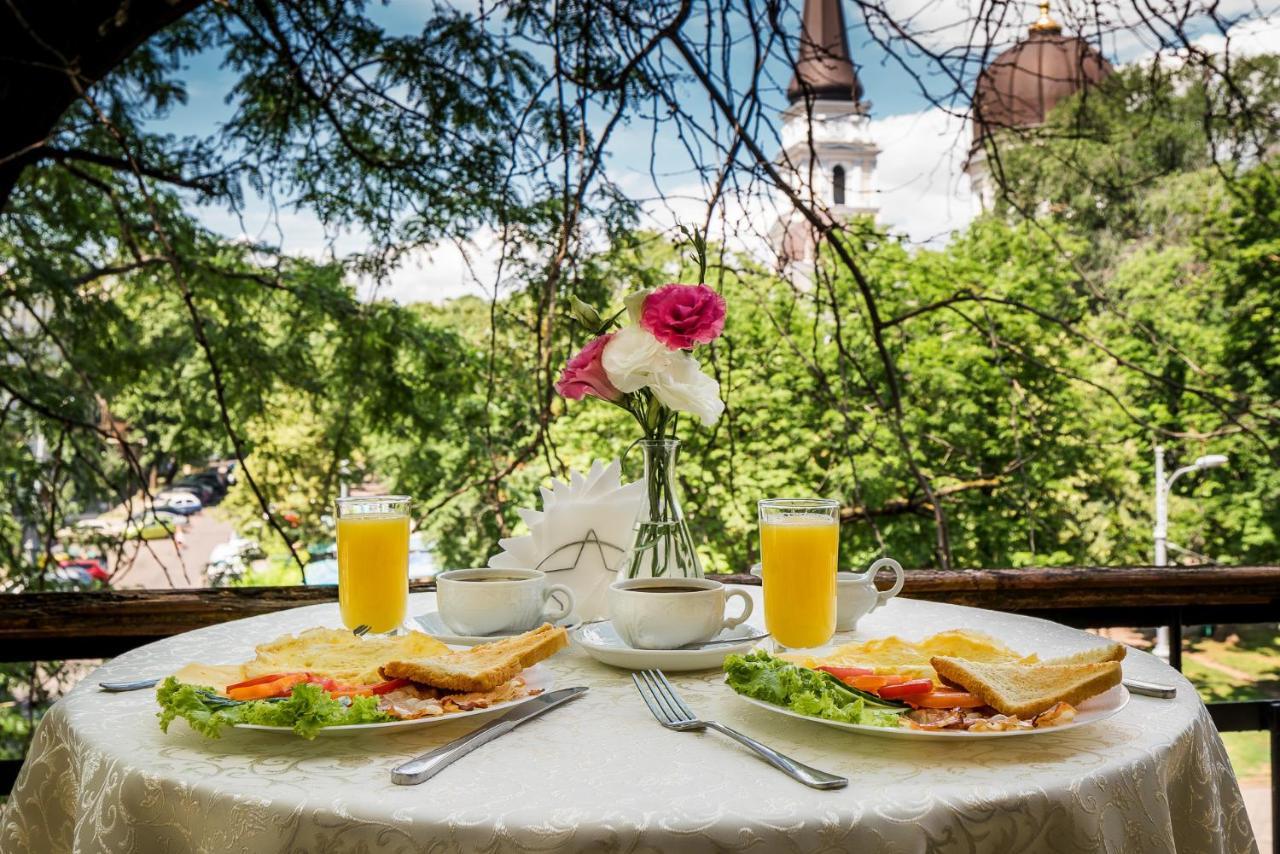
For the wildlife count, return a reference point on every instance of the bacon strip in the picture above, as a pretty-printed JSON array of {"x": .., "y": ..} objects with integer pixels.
[{"x": 419, "y": 701}]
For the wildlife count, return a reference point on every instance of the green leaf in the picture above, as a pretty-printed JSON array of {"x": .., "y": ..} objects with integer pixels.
[
  {"x": 307, "y": 710},
  {"x": 808, "y": 692}
]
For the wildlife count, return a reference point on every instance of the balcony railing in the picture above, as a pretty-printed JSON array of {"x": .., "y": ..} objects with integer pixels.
[{"x": 101, "y": 624}]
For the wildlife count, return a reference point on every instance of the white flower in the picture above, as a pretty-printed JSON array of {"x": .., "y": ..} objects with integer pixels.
[
  {"x": 633, "y": 358},
  {"x": 683, "y": 387},
  {"x": 635, "y": 304}
]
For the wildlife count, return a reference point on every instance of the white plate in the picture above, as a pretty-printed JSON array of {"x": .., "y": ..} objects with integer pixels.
[
  {"x": 601, "y": 642},
  {"x": 534, "y": 677},
  {"x": 431, "y": 623},
  {"x": 1091, "y": 711}
]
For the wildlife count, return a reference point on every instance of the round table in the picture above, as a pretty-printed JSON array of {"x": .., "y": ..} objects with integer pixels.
[{"x": 600, "y": 774}]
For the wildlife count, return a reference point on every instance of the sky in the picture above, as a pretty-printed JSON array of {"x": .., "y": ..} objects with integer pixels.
[{"x": 922, "y": 192}]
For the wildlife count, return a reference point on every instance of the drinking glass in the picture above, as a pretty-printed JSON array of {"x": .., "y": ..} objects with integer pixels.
[
  {"x": 799, "y": 545},
  {"x": 373, "y": 561}
]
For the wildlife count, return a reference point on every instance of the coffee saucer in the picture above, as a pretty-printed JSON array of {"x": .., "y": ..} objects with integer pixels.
[
  {"x": 601, "y": 642},
  {"x": 433, "y": 625}
]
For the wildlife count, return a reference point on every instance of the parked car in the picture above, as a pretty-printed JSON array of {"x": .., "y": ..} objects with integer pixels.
[
  {"x": 213, "y": 477},
  {"x": 70, "y": 577},
  {"x": 320, "y": 572},
  {"x": 153, "y": 525},
  {"x": 184, "y": 503},
  {"x": 213, "y": 481},
  {"x": 236, "y": 549},
  {"x": 92, "y": 566},
  {"x": 201, "y": 490},
  {"x": 230, "y": 560},
  {"x": 92, "y": 530}
]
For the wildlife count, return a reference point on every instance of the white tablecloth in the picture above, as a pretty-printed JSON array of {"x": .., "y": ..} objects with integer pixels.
[{"x": 599, "y": 774}]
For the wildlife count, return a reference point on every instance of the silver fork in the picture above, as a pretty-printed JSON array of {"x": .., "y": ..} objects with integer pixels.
[{"x": 672, "y": 712}]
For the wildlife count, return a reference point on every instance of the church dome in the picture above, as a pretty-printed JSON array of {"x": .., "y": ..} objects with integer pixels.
[{"x": 1024, "y": 83}]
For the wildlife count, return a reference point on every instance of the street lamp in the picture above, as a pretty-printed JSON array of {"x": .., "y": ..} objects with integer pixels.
[{"x": 1161, "y": 532}]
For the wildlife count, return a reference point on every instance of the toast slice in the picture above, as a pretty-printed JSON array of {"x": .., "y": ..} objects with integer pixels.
[
  {"x": 483, "y": 667},
  {"x": 1026, "y": 690},
  {"x": 1093, "y": 655}
]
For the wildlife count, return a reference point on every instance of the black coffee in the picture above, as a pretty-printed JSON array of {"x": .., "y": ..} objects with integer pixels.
[
  {"x": 495, "y": 578},
  {"x": 666, "y": 589}
]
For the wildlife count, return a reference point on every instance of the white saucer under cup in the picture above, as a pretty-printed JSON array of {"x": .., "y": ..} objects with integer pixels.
[
  {"x": 431, "y": 623},
  {"x": 602, "y": 642}
]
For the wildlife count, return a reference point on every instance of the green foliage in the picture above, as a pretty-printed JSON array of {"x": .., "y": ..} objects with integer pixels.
[{"x": 1007, "y": 390}]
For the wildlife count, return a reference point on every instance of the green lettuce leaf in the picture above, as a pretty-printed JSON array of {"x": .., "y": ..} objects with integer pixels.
[
  {"x": 307, "y": 710},
  {"x": 808, "y": 692}
]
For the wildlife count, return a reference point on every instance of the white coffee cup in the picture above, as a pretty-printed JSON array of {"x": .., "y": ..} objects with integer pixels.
[
  {"x": 664, "y": 613},
  {"x": 489, "y": 601}
]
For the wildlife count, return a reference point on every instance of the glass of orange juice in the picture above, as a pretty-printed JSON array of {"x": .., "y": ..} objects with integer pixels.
[
  {"x": 373, "y": 562},
  {"x": 799, "y": 545}
]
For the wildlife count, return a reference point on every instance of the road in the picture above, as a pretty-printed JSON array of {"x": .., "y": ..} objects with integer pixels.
[{"x": 158, "y": 563}]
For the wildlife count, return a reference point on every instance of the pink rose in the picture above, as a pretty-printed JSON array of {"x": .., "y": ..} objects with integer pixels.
[
  {"x": 683, "y": 315},
  {"x": 585, "y": 374}
]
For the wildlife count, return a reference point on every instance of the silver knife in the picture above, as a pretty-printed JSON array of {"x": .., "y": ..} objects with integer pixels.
[
  {"x": 427, "y": 765},
  {"x": 137, "y": 685},
  {"x": 1151, "y": 689}
]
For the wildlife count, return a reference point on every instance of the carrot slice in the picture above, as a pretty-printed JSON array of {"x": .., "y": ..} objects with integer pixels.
[
  {"x": 258, "y": 680},
  {"x": 279, "y": 688}
]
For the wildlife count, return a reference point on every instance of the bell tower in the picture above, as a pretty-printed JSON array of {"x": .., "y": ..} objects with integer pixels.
[{"x": 827, "y": 154}]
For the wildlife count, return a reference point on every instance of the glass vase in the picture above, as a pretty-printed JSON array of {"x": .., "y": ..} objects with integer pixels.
[{"x": 660, "y": 546}]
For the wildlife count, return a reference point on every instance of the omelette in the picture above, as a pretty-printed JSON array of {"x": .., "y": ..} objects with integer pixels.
[
  {"x": 893, "y": 655},
  {"x": 333, "y": 653}
]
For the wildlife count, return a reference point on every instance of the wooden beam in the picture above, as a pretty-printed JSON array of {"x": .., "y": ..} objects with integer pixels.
[
  {"x": 104, "y": 623},
  {"x": 99, "y": 624},
  {"x": 1074, "y": 587}
]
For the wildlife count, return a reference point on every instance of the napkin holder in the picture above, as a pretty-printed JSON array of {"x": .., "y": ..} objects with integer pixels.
[{"x": 580, "y": 535}]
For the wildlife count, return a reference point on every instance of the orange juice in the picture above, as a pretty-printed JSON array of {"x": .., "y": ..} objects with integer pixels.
[
  {"x": 798, "y": 566},
  {"x": 373, "y": 570}
]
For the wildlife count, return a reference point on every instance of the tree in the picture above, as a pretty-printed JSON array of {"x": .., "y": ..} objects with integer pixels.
[{"x": 504, "y": 119}]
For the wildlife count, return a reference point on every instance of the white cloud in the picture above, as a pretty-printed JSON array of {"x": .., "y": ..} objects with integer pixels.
[
  {"x": 942, "y": 24},
  {"x": 1247, "y": 38},
  {"x": 427, "y": 274},
  {"x": 440, "y": 272},
  {"x": 741, "y": 219},
  {"x": 922, "y": 189}
]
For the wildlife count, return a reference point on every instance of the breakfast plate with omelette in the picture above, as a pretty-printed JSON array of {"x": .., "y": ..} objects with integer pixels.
[
  {"x": 330, "y": 681},
  {"x": 954, "y": 684}
]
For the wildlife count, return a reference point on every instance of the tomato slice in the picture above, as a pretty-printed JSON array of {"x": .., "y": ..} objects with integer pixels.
[
  {"x": 945, "y": 700},
  {"x": 875, "y": 683},
  {"x": 388, "y": 686},
  {"x": 906, "y": 689},
  {"x": 843, "y": 673}
]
